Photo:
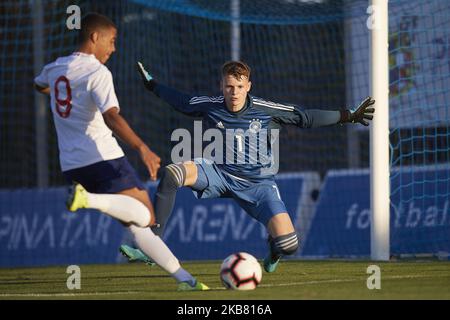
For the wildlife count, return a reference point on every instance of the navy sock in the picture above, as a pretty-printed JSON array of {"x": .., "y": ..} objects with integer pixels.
[{"x": 172, "y": 179}]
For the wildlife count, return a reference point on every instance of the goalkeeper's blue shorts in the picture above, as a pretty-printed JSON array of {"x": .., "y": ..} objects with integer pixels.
[{"x": 261, "y": 200}]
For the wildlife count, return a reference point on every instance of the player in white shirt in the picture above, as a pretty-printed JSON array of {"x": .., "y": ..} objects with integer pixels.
[{"x": 86, "y": 114}]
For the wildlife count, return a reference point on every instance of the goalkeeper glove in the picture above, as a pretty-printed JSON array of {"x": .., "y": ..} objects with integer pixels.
[
  {"x": 359, "y": 114},
  {"x": 149, "y": 82}
]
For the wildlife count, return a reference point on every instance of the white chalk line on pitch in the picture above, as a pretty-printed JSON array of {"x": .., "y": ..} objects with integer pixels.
[
  {"x": 291, "y": 284},
  {"x": 44, "y": 295},
  {"x": 6, "y": 295},
  {"x": 343, "y": 280}
]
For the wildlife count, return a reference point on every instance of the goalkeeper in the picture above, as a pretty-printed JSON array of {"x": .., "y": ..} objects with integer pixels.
[{"x": 251, "y": 183}]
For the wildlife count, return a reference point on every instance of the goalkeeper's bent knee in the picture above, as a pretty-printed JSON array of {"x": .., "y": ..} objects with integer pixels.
[
  {"x": 286, "y": 244},
  {"x": 174, "y": 176}
]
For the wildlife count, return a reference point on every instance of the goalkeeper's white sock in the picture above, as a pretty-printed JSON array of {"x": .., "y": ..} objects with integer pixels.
[
  {"x": 157, "y": 251},
  {"x": 119, "y": 206}
]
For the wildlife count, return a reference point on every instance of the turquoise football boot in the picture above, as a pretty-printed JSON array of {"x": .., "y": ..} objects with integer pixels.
[
  {"x": 270, "y": 263},
  {"x": 135, "y": 255}
]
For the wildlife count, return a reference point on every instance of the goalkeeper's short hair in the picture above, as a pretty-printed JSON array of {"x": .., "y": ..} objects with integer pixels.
[{"x": 236, "y": 69}]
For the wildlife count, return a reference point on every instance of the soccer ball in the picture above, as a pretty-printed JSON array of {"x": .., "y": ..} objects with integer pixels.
[{"x": 240, "y": 271}]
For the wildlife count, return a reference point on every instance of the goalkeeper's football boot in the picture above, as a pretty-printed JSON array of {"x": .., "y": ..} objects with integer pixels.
[
  {"x": 271, "y": 263},
  {"x": 135, "y": 255},
  {"x": 272, "y": 259},
  {"x": 185, "y": 286},
  {"x": 77, "y": 198}
]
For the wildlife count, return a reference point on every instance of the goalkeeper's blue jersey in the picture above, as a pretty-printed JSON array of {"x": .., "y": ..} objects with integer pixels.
[{"x": 248, "y": 153}]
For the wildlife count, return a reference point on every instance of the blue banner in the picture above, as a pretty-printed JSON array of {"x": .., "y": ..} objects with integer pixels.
[
  {"x": 36, "y": 229},
  {"x": 419, "y": 220}
]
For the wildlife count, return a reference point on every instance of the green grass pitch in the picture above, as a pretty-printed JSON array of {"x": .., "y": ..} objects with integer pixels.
[{"x": 293, "y": 280}]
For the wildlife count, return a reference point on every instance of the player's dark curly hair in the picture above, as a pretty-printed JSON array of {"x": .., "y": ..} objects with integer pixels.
[
  {"x": 92, "y": 22},
  {"x": 236, "y": 69}
]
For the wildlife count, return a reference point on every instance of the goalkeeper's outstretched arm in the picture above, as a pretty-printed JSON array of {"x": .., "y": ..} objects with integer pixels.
[
  {"x": 180, "y": 101},
  {"x": 313, "y": 118},
  {"x": 361, "y": 114}
]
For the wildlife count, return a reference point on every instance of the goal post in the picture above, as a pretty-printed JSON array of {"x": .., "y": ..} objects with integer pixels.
[
  {"x": 235, "y": 32},
  {"x": 40, "y": 101},
  {"x": 379, "y": 131}
]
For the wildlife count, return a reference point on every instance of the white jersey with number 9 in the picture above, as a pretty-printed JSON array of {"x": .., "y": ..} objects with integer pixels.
[{"x": 81, "y": 89}]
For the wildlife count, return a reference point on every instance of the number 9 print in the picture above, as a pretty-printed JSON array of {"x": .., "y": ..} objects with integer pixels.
[{"x": 63, "y": 107}]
